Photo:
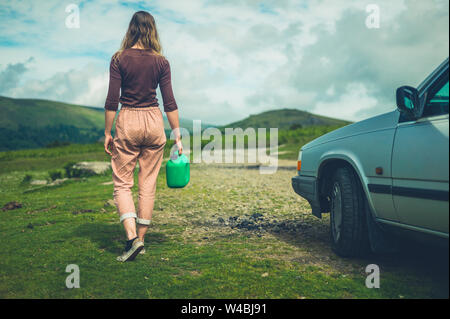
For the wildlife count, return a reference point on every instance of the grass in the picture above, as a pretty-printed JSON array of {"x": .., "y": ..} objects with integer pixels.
[{"x": 194, "y": 250}]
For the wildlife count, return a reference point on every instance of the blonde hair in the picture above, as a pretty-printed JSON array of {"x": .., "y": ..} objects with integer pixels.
[{"x": 141, "y": 30}]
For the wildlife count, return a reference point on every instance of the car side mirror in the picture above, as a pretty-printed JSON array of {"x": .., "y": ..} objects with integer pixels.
[{"x": 408, "y": 102}]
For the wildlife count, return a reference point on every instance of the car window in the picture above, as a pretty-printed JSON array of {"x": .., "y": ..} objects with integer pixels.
[{"x": 437, "y": 102}]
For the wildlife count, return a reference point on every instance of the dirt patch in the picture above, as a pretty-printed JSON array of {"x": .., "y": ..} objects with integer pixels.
[
  {"x": 11, "y": 206},
  {"x": 82, "y": 211},
  {"x": 44, "y": 210}
]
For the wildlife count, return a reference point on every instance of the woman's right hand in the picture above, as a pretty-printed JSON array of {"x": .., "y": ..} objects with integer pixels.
[{"x": 108, "y": 143}]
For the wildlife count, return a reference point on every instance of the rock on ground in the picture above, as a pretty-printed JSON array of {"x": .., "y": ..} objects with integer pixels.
[
  {"x": 57, "y": 181},
  {"x": 95, "y": 168},
  {"x": 38, "y": 182}
]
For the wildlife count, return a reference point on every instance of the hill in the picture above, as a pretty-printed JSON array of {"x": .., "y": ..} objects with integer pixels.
[
  {"x": 32, "y": 123},
  {"x": 34, "y": 114},
  {"x": 286, "y": 119}
]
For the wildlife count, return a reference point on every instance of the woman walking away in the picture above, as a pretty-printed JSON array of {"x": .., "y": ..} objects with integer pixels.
[{"x": 136, "y": 70}]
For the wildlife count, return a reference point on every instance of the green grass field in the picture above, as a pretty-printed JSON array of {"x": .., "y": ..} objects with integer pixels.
[{"x": 200, "y": 244}]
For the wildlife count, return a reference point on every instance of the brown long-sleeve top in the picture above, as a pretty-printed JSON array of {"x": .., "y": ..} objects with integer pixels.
[{"x": 135, "y": 77}]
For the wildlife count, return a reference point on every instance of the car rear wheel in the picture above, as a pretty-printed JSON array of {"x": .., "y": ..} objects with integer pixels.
[{"x": 349, "y": 237}]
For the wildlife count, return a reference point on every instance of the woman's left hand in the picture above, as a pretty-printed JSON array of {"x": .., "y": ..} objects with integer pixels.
[
  {"x": 108, "y": 143},
  {"x": 179, "y": 146}
]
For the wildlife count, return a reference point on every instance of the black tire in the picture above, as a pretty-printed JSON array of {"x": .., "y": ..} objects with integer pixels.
[{"x": 349, "y": 235}]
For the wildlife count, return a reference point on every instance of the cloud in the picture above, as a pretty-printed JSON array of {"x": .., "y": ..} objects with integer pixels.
[
  {"x": 235, "y": 58},
  {"x": 12, "y": 74},
  {"x": 373, "y": 62},
  {"x": 87, "y": 86},
  {"x": 350, "y": 103}
]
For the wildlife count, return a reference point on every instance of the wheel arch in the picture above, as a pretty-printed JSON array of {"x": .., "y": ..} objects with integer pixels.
[{"x": 328, "y": 164}]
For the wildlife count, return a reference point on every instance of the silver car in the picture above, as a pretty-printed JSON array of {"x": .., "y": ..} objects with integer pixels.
[{"x": 386, "y": 175}]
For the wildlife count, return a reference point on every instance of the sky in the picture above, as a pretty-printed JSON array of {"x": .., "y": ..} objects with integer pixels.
[{"x": 230, "y": 59}]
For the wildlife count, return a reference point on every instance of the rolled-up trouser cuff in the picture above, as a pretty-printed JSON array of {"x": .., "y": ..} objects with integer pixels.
[
  {"x": 127, "y": 215},
  {"x": 141, "y": 221}
]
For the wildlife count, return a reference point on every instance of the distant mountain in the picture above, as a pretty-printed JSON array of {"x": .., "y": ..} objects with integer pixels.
[
  {"x": 32, "y": 123},
  {"x": 285, "y": 119}
]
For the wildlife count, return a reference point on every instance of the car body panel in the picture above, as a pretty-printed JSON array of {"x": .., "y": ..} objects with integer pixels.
[
  {"x": 420, "y": 164},
  {"x": 378, "y": 123}
]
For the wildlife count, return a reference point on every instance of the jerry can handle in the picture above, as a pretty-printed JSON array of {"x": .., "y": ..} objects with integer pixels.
[{"x": 174, "y": 155}]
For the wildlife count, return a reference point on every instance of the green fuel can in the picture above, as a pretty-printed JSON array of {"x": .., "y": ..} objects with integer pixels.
[{"x": 177, "y": 171}]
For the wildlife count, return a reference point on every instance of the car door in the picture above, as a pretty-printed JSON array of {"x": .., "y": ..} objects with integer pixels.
[{"x": 420, "y": 163}]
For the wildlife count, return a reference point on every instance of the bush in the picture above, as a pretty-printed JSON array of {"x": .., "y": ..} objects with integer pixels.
[
  {"x": 70, "y": 171},
  {"x": 55, "y": 174},
  {"x": 295, "y": 127},
  {"x": 27, "y": 178},
  {"x": 57, "y": 144}
]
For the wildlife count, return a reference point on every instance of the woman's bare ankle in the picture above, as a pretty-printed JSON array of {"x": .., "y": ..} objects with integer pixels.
[{"x": 131, "y": 236}]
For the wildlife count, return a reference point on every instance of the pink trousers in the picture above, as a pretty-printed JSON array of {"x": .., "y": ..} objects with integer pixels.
[{"x": 139, "y": 137}]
